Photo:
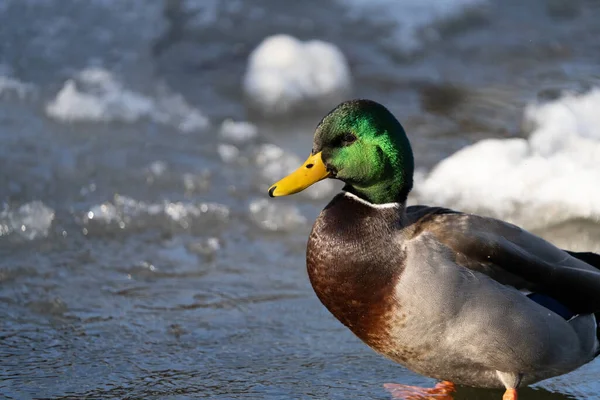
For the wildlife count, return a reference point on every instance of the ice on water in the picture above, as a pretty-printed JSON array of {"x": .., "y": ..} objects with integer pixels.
[
  {"x": 30, "y": 221},
  {"x": 545, "y": 179},
  {"x": 228, "y": 152},
  {"x": 238, "y": 131},
  {"x": 272, "y": 216},
  {"x": 127, "y": 213},
  {"x": 96, "y": 95},
  {"x": 284, "y": 73}
]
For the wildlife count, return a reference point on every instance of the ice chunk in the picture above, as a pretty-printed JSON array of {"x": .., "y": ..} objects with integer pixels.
[
  {"x": 100, "y": 98},
  {"x": 96, "y": 95},
  {"x": 546, "y": 179},
  {"x": 126, "y": 213},
  {"x": 284, "y": 73},
  {"x": 275, "y": 217},
  {"x": 30, "y": 221},
  {"x": 238, "y": 132}
]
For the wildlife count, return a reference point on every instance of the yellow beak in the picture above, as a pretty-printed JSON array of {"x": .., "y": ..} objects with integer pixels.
[{"x": 312, "y": 171}]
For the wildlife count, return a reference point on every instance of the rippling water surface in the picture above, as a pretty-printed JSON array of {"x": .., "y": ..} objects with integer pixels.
[{"x": 139, "y": 256}]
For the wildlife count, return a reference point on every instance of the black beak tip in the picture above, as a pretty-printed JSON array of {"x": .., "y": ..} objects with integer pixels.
[{"x": 271, "y": 190}]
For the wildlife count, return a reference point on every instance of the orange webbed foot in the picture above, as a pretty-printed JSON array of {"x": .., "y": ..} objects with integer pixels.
[{"x": 510, "y": 394}]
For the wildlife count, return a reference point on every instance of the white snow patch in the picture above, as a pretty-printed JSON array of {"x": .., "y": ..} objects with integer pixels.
[
  {"x": 95, "y": 94},
  {"x": 548, "y": 178},
  {"x": 284, "y": 73}
]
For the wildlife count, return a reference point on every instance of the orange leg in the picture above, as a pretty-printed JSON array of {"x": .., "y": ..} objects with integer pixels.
[
  {"x": 441, "y": 391},
  {"x": 510, "y": 394}
]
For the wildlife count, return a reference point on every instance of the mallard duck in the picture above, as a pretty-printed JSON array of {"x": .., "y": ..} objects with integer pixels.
[{"x": 458, "y": 297}]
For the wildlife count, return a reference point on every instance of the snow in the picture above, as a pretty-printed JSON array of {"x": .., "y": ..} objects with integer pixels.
[
  {"x": 96, "y": 95},
  {"x": 550, "y": 177},
  {"x": 284, "y": 73}
]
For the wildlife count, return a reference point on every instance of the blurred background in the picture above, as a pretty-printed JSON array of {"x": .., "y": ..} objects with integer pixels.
[{"x": 139, "y": 254}]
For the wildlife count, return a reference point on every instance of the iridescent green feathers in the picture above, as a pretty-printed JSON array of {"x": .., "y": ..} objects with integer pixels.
[{"x": 367, "y": 148}]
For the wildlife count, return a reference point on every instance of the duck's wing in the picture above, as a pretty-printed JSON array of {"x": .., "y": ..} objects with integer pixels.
[
  {"x": 590, "y": 258},
  {"x": 513, "y": 256}
]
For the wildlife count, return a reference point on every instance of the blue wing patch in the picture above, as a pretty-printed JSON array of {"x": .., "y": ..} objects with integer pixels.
[{"x": 552, "y": 305}]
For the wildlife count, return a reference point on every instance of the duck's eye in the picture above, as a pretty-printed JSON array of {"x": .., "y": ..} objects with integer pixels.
[{"x": 348, "y": 138}]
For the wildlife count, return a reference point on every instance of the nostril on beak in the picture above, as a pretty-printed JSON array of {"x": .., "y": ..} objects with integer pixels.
[{"x": 309, "y": 166}]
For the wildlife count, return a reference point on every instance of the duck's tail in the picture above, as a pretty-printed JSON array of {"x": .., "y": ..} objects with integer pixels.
[{"x": 592, "y": 259}]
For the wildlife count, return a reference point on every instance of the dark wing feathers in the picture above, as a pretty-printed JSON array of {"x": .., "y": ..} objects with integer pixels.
[
  {"x": 516, "y": 257},
  {"x": 590, "y": 258}
]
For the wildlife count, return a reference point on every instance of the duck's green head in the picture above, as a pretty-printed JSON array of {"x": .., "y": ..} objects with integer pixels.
[{"x": 362, "y": 144}]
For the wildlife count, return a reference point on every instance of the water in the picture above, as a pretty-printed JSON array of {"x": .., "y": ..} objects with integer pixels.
[{"x": 138, "y": 255}]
